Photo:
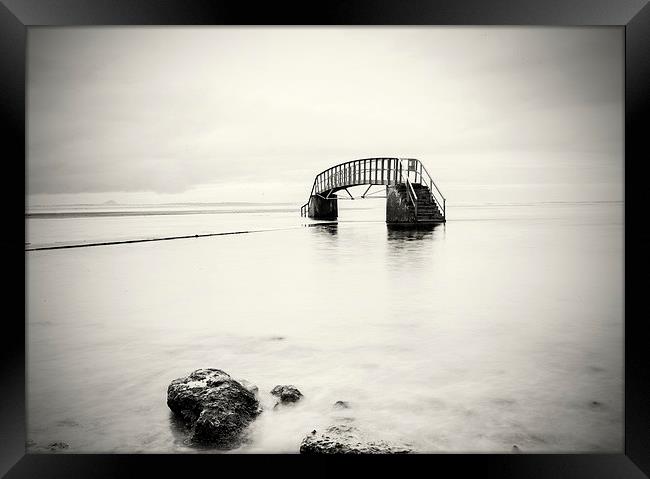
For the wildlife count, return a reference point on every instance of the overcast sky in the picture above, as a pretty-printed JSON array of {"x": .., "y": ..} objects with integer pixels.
[{"x": 252, "y": 114}]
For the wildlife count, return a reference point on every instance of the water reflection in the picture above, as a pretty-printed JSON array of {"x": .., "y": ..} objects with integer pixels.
[
  {"x": 329, "y": 228},
  {"x": 180, "y": 431},
  {"x": 410, "y": 248},
  {"x": 402, "y": 233}
]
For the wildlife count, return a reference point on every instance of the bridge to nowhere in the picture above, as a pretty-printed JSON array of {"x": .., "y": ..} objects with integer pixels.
[{"x": 412, "y": 196}]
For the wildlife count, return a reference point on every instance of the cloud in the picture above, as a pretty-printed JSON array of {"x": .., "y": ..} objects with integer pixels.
[{"x": 166, "y": 110}]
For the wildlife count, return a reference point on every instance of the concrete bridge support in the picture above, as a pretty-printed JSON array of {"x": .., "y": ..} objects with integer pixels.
[
  {"x": 323, "y": 209},
  {"x": 398, "y": 208}
]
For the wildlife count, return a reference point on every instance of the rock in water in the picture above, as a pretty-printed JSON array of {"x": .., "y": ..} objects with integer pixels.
[
  {"x": 217, "y": 407},
  {"x": 57, "y": 446},
  {"x": 249, "y": 385},
  {"x": 287, "y": 394},
  {"x": 345, "y": 439}
]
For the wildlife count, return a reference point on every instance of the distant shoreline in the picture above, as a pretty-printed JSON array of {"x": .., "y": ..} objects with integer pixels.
[
  {"x": 84, "y": 214},
  {"x": 137, "y": 205}
]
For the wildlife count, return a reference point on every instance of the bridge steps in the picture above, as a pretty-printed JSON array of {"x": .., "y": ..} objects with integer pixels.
[{"x": 427, "y": 209}]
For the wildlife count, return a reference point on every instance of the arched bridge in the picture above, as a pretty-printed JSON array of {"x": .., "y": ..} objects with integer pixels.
[{"x": 411, "y": 194}]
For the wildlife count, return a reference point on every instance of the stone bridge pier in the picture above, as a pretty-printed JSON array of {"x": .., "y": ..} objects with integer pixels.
[{"x": 323, "y": 209}]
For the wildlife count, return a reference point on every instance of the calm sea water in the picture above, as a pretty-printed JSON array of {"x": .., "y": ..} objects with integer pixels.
[{"x": 502, "y": 327}]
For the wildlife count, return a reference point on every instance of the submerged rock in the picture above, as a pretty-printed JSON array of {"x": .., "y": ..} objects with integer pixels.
[
  {"x": 215, "y": 406},
  {"x": 345, "y": 439},
  {"x": 342, "y": 412},
  {"x": 286, "y": 394}
]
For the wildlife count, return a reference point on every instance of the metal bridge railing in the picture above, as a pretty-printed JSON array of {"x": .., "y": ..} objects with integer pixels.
[
  {"x": 422, "y": 177},
  {"x": 304, "y": 209}
]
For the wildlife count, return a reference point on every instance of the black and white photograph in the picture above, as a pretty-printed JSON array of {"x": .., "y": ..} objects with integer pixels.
[{"x": 325, "y": 239}]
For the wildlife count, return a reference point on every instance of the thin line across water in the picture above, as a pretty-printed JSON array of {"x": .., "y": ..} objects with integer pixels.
[{"x": 166, "y": 238}]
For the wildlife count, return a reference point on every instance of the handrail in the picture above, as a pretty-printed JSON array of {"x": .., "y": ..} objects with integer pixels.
[
  {"x": 306, "y": 205},
  {"x": 407, "y": 182},
  {"x": 354, "y": 161},
  {"x": 304, "y": 208},
  {"x": 355, "y": 169},
  {"x": 444, "y": 200},
  {"x": 433, "y": 182},
  {"x": 432, "y": 185}
]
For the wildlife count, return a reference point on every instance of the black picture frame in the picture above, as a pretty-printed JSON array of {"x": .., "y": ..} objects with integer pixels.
[{"x": 634, "y": 15}]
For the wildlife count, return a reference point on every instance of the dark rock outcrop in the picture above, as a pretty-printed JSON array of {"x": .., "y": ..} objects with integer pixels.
[
  {"x": 58, "y": 446},
  {"x": 286, "y": 394},
  {"x": 345, "y": 439},
  {"x": 215, "y": 406}
]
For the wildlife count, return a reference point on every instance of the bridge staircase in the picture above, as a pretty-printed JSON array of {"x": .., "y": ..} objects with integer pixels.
[{"x": 427, "y": 209}]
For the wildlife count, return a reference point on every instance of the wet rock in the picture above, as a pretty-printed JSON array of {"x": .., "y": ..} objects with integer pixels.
[
  {"x": 249, "y": 386},
  {"x": 341, "y": 405},
  {"x": 215, "y": 407},
  {"x": 286, "y": 394},
  {"x": 57, "y": 446},
  {"x": 345, "y": 439}
]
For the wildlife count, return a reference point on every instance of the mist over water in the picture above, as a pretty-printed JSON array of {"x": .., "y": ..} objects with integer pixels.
[{"x": 504, "y": 326}]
